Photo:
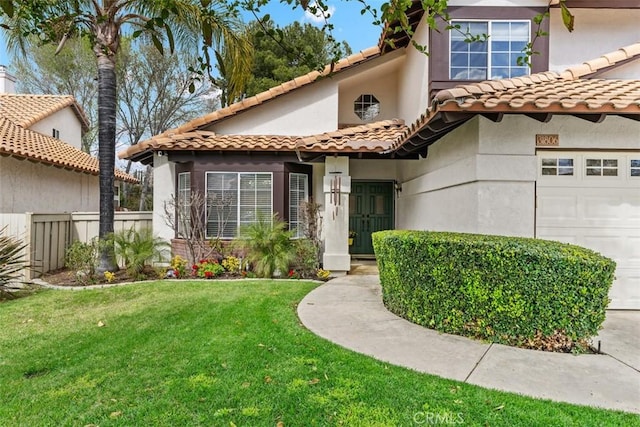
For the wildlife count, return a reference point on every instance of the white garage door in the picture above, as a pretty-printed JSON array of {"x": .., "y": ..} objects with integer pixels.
[{"x": 592, "y": 199}]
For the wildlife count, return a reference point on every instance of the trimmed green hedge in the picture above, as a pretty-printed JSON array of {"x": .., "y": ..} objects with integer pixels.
[{"x": 502, "y": 289}]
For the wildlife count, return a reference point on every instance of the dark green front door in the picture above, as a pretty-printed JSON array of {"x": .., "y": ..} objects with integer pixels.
[{"x": 370, "y": 210}]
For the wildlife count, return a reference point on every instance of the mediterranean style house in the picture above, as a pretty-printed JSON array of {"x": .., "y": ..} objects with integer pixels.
[
  {"x": 42, "y": 168},
  {"x": 464, "y": 139}
]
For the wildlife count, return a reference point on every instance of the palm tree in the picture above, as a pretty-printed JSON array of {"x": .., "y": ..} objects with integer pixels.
[{"x": 193, "y": 22}]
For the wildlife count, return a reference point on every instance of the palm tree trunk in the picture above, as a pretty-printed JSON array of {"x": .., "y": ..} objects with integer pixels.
[{"x": 107, "y": 157}]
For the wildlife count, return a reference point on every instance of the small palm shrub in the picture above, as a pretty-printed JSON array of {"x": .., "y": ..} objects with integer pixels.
[
  {"x": 11, "y": 261},
  {"x": 82, "y": 258},
  {"x": 268, "y": 246},
  {"x": 136, "y": 249}
]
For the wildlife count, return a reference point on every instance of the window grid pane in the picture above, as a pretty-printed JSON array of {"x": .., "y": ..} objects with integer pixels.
[
  {"x": 495, "y": 58},
  {"x": 562, "y": 167},
  {"x": 634, "y": 169},
  {"x": 602, "y": 167},
  {"x": 222, "y": 204}
]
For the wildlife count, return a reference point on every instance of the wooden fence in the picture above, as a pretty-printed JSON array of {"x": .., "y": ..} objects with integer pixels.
[{"x": 49, "y": 235}]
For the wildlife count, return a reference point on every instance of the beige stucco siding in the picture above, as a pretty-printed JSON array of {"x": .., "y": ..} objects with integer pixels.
[
  {"x": 33, "y": 187},
  {"x": 481, "y": 177},
  {"x": 305, "y": 111},
  {"x": 597, "y": 32},
  {"x": 66, "y": 122},
  {"x": 381, "y": 85},
  {"x": 413, "y": 80},
  {"x": 164, "y": 184}
]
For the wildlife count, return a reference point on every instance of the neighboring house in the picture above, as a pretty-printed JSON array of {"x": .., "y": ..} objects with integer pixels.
[
  {"x": 42, "y": 168},
  {"x": 463, "y": 139}
]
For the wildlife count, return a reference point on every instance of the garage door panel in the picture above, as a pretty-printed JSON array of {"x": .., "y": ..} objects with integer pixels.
[
  {"x": 558, "y": 207},
  {"x": 601, "y": 213}
]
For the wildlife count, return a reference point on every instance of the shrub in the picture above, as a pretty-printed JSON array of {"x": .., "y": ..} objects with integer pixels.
[
  {"x": 231, "y": 264},
  {"x": 137, "y": 248},
  {"x": 305, "y": 261},
  {"x": 178, "y": 267},
  {"x": 82, "y": 258},
  {"x": 503, "y": 289},
  {"x": 268, "y": 246},
  {"x": 11, "y": 261},
  {"x": 207, "y": 269}
]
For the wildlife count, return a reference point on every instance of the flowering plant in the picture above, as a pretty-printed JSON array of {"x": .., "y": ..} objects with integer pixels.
[
  {"x": 109, "y": 276},
  {"x": 352, "y": 234},
  {"x": 293, "y": 274},
  {"x": 323, "y": 274},
  {"x": 207, "y": 269}
]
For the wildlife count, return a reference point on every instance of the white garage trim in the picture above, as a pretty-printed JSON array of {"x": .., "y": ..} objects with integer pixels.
[{"x": 592, "y": 199}]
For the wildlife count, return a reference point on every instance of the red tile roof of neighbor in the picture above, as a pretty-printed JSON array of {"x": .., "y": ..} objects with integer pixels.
[
  {"x": 17, "y": 112},
  {"x": 548, "y": 92},
  {"x": 27, "y": 109}
]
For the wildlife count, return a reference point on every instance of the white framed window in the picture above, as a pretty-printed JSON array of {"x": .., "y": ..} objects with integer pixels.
[
  {"x": 634, "y": 168},
  {"x": 601, "y": 167},
  {"x": 298, "y": 193},
  {"x": 557, "y": 167},
  {"x": 237, "y": 199},
  {"x": 496, "y": 57},
  {"x": 367, "y": 107},
  {"x": 183, "y": 209}
]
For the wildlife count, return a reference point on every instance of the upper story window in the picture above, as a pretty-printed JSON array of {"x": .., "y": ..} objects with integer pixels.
[
  {"x": 366, "y": 107},
  {"x": 494, "y": 58}
]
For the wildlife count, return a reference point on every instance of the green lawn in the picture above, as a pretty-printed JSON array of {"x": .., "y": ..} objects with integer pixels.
[{"x": 222, "y": 354}]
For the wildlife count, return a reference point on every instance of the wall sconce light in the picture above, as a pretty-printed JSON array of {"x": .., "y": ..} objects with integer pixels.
[{"x": 397, "y": 186}]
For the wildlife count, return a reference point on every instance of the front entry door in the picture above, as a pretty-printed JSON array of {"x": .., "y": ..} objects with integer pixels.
[{"x": 370, "y": 210}]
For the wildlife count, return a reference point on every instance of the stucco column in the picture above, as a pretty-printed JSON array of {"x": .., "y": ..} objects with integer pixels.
[{"x": 336, "y": 188}]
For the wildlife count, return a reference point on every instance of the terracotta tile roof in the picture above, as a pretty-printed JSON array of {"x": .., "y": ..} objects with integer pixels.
[
  {"x": 16, "y": 141},
  {"x": 544, "y": 93},
  {"x": 274, "y": 92},
  {"x": 372, "y": 137},
  {"x": 28, "y": 109},
  {"x": 205, "y": 140}
]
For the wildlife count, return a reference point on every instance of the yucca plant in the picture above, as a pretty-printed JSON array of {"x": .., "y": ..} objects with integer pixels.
[
  {"x": 136, "y": 248},
  {"x": 267, "y": 245},
  {"x": 11, "y": 260}
]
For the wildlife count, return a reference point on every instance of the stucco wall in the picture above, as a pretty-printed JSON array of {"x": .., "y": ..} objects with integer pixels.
[
  {"x": 481, "y": 177},
  {"x": 383, "y": 86},
  {"x": 33, "y": 187},
  {"x": 597, "y": 31},
  {"x": 305, "y": 111},
  {"x": 413, "y": 80},
  {"x": 64, "y": 121},
  {"x": 518, "y": 133},
  {"x": 164, "y": 187},
  {"x": 471, "y": 181}
]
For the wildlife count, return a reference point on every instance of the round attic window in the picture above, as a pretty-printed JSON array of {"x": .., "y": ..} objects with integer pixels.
[{"x": 366, "y": 107}]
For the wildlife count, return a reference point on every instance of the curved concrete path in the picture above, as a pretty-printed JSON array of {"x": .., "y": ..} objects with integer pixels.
[{"x": 349, "y": 311}]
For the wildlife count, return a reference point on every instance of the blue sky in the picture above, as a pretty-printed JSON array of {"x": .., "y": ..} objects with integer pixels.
[{"x": 358, "y": 30}]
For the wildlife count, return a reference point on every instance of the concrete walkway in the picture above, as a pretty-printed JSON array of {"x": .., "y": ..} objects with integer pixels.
[{"x": 349, "y": 311}]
